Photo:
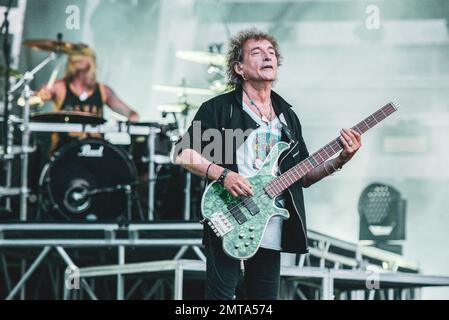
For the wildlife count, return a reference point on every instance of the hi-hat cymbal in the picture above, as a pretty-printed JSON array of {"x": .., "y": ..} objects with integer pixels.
[
  {"x": 13, "y": 72},
  {"x": 204, "y": 57},
  {"x": 181, "y": 90},
  {"x": 176, "y": 107},
  {"x": 58, "y": 46}
]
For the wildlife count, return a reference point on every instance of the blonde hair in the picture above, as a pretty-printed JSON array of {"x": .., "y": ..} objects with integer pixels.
[{"x": 70, "y": 69}]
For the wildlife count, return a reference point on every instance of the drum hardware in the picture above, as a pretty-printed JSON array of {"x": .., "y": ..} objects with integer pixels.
[
  {"x": 14, "y": 151},
  {"x": 58, "y": 46},
  {"x": 203, "y": 57},
  {"x": 78, "y": 197},
  {"x": 176, "y": 108},
  {"x": 182, "y": 109},
  {"x": 84, "y": 180},
  {"x": 183, "y": 90},
  {"x": 9, "y": 192},
  {"x": 8, "y": 155},
  {"x": 151, "y": 175},
  {"x": 24, "y": 82},
  {"x": 35, "y": 102},
  {"x": 67, "y": 117},
  {"x": 7, "y": 73},
  {"x": 169, "y": 193},
  {"x": 131, "y": 129},
  {"x": 216, "y": 62},
  {"x": 138, "y": 129},
  {"x": 151, "y": 153},
  {"x": 12, "y": 72},
  {"x": 27, "y": 101},
  {"x": 49, "y": 122},
  {"x": 41, "y": 122}
]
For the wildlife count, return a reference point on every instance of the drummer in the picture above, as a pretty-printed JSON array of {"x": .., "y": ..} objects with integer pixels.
[{"x": 80, "y": 91}]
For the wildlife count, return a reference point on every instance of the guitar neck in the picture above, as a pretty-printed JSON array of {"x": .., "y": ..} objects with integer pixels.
[{"x": 281, "y": 183}]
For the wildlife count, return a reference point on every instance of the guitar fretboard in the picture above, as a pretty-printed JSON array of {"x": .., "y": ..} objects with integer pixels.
[{"x": 281, "y": 183}]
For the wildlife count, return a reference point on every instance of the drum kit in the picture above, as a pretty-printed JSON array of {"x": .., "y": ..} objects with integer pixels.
[{"x": 93, "y": 179}]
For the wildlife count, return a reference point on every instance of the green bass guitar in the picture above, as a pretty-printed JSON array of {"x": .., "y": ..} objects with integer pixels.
[{"x": 241, "y": 222}]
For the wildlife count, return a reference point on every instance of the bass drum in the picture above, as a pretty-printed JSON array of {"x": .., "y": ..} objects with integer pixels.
[{"x": 84, "y": 181}]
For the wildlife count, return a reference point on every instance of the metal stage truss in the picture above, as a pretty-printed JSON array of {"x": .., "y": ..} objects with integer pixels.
[{"x": 166, "y": 261}]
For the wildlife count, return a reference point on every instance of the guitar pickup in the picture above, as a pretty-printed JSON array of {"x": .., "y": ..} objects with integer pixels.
[
  {"x": 252, "y": 207},
  {"x": 237, "y": 213}
]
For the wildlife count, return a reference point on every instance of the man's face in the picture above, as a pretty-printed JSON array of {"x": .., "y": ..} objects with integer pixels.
[{"x": 259, "y": 61}]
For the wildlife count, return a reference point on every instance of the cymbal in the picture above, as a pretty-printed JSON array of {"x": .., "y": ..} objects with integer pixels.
[
  {"x": 58, "y": 46},
  {"x": 67, "y": 117},
  {"x": 202, "y": 57},
  {"x": 13, "y": 72},
  {"x": 181, "y": 90},
  {"x": 176, "y": 107}
]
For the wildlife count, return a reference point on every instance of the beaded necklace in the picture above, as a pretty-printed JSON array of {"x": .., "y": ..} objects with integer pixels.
[{"x": 268, "y": 134}]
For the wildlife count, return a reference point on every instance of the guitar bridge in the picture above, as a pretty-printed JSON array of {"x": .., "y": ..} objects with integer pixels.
[{"x": 219, "y": 224}]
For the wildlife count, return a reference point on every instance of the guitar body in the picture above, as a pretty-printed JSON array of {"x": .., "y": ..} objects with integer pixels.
[{"x": 241, "y": 223}]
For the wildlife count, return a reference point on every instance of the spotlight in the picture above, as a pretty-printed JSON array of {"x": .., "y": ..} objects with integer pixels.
[{"x": 382, "y": 215}]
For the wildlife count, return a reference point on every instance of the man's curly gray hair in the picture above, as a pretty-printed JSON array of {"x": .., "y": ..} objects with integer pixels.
[{"x": 235, "y": 52}]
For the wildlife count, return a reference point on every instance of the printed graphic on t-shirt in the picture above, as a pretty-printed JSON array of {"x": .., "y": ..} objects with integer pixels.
[{"x": 261, "y": 146}]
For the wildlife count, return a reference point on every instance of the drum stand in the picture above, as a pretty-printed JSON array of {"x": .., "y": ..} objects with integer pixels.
[
  {"x": 188, "y": 184},
  {"x": 151, "y": 174},
  {"x": 127, "y": 190},
  {"x": 8, "y": 157},
  {"x": 187, "y": 198},
  {"x": 25, "y": 128}
]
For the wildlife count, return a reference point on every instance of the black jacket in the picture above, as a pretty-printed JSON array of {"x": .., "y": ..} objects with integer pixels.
[{"x": 226, "y": 112}]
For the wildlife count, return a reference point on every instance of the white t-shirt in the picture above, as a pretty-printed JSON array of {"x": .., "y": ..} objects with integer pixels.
[{"x": 250, "y": 156}]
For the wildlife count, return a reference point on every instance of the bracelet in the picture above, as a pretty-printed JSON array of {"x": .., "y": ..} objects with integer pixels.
[
  {"x": 207, "y": 171},
  {"x": 325, "y": 169},
  {"x": 335, "y": 169},
  {"x": 223, "y": 175}
]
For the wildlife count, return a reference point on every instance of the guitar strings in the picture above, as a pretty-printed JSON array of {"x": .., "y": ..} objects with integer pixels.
[
  {"x": 233, "y": 209},
  {"x": 230, "y": 212}
]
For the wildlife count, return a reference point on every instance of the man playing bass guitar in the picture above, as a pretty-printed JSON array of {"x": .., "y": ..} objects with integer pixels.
[{"x": 266, "y": 119}]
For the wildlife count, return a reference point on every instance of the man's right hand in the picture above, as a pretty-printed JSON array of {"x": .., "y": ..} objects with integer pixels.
[{"x": 237, "y": 185}]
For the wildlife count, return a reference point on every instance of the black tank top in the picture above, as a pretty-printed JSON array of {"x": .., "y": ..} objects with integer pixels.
[{"x": 93, "y": 104}]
